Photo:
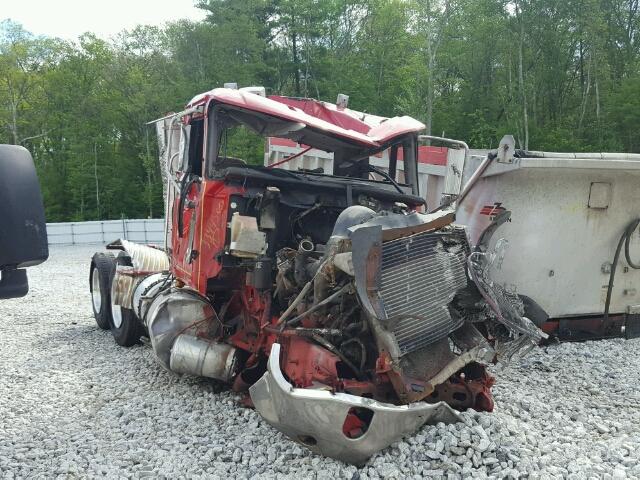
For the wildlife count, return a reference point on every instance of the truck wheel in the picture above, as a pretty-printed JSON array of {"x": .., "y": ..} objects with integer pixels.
[
  {"x": 125, "y": 328},
  {"x": 102, "y": 265},
  {"x": 533, "y": 311}
]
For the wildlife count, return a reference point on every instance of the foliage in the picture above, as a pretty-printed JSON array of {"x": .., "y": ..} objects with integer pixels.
[{"x": 559, "y": 75}]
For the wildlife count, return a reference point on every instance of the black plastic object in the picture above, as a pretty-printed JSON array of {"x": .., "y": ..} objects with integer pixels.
[
  {"x": 23, "y": 231},
  {"x": 262, "y": 274},
  {"x": 13, "y": 284}
]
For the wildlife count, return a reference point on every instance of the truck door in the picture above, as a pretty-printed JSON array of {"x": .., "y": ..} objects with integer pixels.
[{"x": 185, "y": 212}]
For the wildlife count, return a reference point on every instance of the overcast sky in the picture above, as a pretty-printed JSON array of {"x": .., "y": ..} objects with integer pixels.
[{"x": 70, "y": 18}]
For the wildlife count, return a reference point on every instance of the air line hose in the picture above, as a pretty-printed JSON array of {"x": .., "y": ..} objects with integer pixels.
[{"x": 624, "y": 239}]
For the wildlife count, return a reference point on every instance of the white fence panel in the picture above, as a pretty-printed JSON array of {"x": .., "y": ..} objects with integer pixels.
[{"x": 106, "y": 231}]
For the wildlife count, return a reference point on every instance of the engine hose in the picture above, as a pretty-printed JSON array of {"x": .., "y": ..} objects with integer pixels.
[
  {"x": 624, "y": 239},
  {"x": 301, "y": 295},
  {"x": 317, "y": 306},
  {"x": 363, "y": 350},
  {"x": 329, "y": 346}
]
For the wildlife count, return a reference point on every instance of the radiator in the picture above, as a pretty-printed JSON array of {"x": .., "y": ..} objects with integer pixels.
[{"x": 420, "y": 276}]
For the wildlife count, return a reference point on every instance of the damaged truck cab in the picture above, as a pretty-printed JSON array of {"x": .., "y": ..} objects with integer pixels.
[{"x": 348, "y": 315}]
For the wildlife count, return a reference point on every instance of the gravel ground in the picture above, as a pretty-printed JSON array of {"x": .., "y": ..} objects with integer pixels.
[{"x": 75, "y": 405}]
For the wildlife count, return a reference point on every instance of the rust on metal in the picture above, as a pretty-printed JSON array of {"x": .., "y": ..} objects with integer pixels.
[{"x": 436, "y": 224}]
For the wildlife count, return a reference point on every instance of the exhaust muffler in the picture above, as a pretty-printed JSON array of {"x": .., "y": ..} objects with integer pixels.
[{"x": 197, "y": 356}]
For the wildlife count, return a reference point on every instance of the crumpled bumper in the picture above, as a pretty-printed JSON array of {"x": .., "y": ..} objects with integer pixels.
[{"x": 314, "y": 418}]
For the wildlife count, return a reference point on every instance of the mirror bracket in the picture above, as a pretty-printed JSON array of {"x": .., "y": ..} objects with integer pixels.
[{"x": 13, "y": 283}]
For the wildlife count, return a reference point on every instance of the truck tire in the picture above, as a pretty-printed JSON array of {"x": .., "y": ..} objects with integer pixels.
[
  {"x": 533, "y": 311},
  {"x": 125, "y": 327},
  {"x": 102, "y": 265}
]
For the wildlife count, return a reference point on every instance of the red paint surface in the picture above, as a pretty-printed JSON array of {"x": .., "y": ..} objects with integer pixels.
[
  {"x": 325, "y": 111},
  {"x": 211, "y": 200},
  {"x": 305, "y": 363},
  {"x": 314, "y": 114},
  {"x": 430, "y": 155}
]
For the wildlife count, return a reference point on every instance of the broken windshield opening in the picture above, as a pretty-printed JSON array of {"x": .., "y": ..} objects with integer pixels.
[
  {"x": 241, "y": 144},
  {"x": 240, "y": 137}
]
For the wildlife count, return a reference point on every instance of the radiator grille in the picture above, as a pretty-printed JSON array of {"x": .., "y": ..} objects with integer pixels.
[{"x": 420, "y": 275}]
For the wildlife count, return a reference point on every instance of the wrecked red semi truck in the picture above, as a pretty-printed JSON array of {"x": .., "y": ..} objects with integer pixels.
[{"x": 347, "y": 315}]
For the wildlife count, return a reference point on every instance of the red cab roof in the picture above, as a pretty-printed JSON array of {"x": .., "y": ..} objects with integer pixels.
[{"x": 355, "y": 127}]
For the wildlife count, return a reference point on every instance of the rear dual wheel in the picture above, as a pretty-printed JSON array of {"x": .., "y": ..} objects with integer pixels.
[
  {"x": 122, "y": 322},
  {"x": 102, "y": 267},
  {"x": 125, "y": 327}
]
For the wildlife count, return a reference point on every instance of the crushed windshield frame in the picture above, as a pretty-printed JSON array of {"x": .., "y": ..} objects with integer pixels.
[{"x": 408, "y": 143}]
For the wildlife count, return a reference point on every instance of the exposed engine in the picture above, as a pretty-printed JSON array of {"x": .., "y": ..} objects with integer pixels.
[{"x": 383, "y": 307}]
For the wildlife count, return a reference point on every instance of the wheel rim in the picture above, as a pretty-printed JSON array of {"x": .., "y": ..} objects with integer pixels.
[
  {"x": 96, "y": 293},
  {"x": 116, "y": 314},
  {"x": 116, "y": 310}
]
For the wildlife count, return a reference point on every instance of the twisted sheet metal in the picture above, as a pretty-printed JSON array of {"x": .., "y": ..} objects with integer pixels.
[{"x": 315, "y": 418}]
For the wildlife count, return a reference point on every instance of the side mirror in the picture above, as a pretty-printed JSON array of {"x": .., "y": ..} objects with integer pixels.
[{"x": 23, "y": 231}]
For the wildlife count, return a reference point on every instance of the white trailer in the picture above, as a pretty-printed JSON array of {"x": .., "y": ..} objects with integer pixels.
[{"x": 568, "y": 213}]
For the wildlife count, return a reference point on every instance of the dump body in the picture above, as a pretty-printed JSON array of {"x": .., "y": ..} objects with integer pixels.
[{"x": 567, "y": 217}]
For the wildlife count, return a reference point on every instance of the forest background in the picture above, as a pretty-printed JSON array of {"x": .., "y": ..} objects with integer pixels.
[{"x": 561, "y": 75}]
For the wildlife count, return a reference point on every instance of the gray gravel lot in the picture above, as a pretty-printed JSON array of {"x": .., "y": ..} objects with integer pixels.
[{"x": 74, "y": 405}]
